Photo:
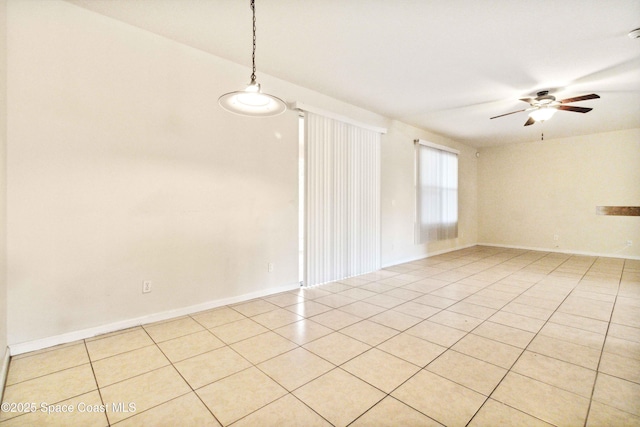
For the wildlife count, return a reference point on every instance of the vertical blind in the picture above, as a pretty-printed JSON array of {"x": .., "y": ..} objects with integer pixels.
[
  {"x": 342, "y": 209},
  {"x": 436, "y": 192}
]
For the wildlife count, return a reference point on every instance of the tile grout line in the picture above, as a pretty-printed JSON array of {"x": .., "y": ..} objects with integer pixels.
[
  {"x": 96, "y": 380},
  {"x": 184, "y": 379},
  {"x": 389, "y": 309},
  {"x": 343, "y": 363},
  {"x": 253, "y": 365},
  {"x": 532, "y": 339},
  {"x": 595, "y": 381},
  {"x": 424, "y": 367},
  {"x": 298, "y": 346},
  {"x": 471, "y": 331},
  {"x": 487, "y": 397}
]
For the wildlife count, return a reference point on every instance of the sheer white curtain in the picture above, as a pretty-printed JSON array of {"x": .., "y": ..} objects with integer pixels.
[
  {"x": 342, "y": 209},
  {"x": 437, "y": 192}
]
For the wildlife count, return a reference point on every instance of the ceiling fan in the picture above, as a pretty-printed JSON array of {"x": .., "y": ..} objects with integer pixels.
[{"x": 544, "y": 106}]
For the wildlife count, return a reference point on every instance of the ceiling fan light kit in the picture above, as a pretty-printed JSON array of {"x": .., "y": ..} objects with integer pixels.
[
  {"x": 543, "y": 113},
  {"x": 251, "y": 101}
]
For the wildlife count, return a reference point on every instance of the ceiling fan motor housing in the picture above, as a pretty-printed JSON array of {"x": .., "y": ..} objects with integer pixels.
[{"x": 544, "y": 99}]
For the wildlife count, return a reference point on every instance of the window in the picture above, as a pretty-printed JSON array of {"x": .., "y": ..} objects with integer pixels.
[{"x": 436, "y": 192}]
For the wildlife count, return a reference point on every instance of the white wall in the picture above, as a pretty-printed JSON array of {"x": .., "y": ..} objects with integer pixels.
[
  {"x": 398, "y": 199},
  {"x": 531, "y": 192},
  {"x": 122, "y": 168}
]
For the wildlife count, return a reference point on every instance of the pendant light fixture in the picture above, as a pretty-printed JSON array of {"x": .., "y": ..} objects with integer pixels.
[{"x": 251, "y": 101}]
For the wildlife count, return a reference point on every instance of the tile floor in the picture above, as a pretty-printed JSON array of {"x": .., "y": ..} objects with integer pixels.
[{"x": 479, "y": 337}]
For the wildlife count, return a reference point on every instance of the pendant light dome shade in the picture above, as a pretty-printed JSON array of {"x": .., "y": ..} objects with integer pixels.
[{"x": 251, "y": 101}]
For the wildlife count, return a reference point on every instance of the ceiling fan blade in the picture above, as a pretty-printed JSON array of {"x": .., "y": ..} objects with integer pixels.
[
  {"x": 530, "y": 121},
  {"x": 579, "y": 98},
  {"x": 574, "y": 109},
  {"x": 527, "y": 100},
  {"x": 502, "y": 115}
]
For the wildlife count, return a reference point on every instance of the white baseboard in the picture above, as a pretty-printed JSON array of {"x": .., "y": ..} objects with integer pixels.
[
  {"x": 4, "y": 371},
  {"x": 39, "y": 344},
  {"x": 561, "y": 251},
  {"x": 428, "y": 255}
]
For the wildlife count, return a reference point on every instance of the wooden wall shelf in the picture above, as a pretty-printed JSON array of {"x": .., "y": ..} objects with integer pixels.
[{"x": 618, "y": 210}]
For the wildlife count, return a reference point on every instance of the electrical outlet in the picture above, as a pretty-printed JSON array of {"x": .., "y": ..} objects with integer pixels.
[
  {"x": 270, "y": 267},
  {"x": 555, "y": 237},
  {"x": 629, "y": 243},
  {"x": 146, "y": 286}
]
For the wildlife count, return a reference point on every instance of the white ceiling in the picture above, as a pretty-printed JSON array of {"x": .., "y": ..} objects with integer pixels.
[{"x": 442, "y": 65}]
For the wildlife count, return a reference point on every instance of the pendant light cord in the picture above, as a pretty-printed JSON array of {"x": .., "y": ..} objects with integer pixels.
[{"x": 253, "y": 56}]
